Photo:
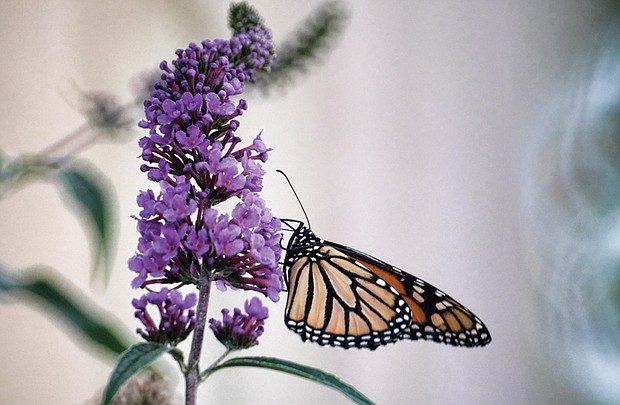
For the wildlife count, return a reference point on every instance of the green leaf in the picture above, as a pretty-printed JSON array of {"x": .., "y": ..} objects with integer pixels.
[
  {"x": 17, "y": 171},
  {"x": 82, "y": 317},
  {"x": 299, "y": 370},
  {"x": 8, "y": 169},
  {"x": 129, "y": 363},
  {"x": 85, "y": 187}
]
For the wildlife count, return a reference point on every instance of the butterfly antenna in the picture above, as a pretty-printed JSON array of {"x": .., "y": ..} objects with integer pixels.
[{"x": 296, "y": 196}]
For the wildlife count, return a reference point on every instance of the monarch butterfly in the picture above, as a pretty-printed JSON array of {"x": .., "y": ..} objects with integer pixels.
[{"x": 342, "y": 297}]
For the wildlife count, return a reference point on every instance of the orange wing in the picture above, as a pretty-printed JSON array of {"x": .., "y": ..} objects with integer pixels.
[{"x": 342, "y": 297}]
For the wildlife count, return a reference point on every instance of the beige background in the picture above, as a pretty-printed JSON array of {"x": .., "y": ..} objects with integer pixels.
[{"x": 409, "y": 143}]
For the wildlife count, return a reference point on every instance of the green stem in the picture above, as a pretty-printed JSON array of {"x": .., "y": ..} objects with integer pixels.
[
  {"x": 66, "y": 141},
  {"x": 209, "y": 369},
  {"x": 75, "y": 141},
  {"x": 192, "y": 373}
]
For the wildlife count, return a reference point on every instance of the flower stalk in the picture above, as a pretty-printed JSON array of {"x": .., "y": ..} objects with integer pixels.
[{"x": 192, "y": 373}]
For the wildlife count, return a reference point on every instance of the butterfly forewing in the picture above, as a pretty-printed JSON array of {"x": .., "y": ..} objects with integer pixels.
[
  {"x": 340, "y": 296},
  {"x": 334, "y": 301}
]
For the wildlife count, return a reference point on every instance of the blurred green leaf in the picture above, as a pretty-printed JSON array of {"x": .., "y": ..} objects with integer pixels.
[
  {"x": 18, "y": 171},
  {"x": 8, "y": 171},
  {"x": 82, "y": 317},
  {"x": 129, "y": 363},
  {"x": 299, "y": 370},
  {"x": 86, "y": 188}
]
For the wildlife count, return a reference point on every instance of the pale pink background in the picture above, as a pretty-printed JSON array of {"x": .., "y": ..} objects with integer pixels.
[{"x": 409, "y": 143}]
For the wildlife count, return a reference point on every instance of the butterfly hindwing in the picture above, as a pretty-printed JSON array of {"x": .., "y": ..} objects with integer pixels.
[
  {"x": 343, "y": 297},
  {"x": 447, "y": 321},
  {"x": 434, "y": 314}
]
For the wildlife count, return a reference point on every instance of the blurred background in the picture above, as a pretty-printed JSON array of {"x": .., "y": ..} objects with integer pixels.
[{"x": 472, "y": 144}]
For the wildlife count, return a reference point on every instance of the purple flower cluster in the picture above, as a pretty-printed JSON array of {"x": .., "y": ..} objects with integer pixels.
[
  {"x": 248, "y": 244},
  {"x": 176, "y": 316},
  {"x": 241, "y": 331},
  {"x": 194, "y": 155}
]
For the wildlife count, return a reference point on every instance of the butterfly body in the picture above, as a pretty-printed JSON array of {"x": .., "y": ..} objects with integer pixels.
[{"x": 343, "y": 297}]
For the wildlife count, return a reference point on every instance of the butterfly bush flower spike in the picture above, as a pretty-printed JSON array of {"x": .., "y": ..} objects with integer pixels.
[
  {"x": 196, "y": 159},
  {"x": 241, "y": 331}
]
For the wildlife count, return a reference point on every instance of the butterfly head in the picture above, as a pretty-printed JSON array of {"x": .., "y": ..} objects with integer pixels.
[{"x": 303, "y": 238}]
